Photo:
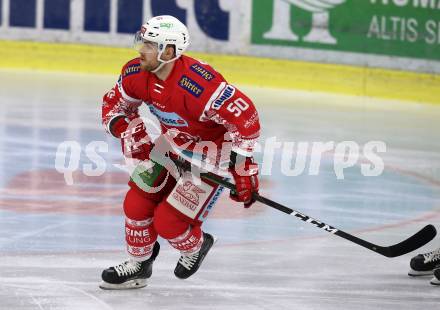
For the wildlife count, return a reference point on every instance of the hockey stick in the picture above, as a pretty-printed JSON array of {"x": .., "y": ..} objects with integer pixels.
[{"x": 414, "y": 242}]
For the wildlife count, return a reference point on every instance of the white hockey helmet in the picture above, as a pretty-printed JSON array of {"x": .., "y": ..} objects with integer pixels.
[{"x": 164, "y": 30}]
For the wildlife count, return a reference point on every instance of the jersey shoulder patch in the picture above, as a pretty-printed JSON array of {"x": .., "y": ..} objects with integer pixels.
[
  {"x": 129, "y": 79},
  {"x": 132, "y": 67},
  {"x": 202, "y": 71},
  {"x": 198, "y": 78},
  {"x": 199, "y": 70}
]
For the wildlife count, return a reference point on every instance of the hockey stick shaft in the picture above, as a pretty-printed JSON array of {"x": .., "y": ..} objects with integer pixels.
[{"x": 414, "y": 242}]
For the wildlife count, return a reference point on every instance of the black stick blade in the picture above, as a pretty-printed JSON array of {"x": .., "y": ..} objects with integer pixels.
[{"x": 414, "y": 242}]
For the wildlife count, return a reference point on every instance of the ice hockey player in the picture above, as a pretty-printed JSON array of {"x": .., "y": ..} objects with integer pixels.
[
  {"x": 426, "y": 265},
  {"x": 195, "y": 106}
]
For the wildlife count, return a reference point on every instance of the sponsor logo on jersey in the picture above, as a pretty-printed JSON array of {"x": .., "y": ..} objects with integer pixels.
[
  {"x": 226, "y": 94},
  {"x": 214, "y": 199},
  {"x": 191, "y": 86},
  {"x": 202, "y": 72},
  {"x": 157, "y": 104},
  {"x": 132, "y": 69},
  {"x": 168, "y": 118},
  {"x": 189, "y": 195}
]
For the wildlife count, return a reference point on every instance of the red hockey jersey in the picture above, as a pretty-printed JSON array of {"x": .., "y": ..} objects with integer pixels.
[{"x": 194, "y": 104}]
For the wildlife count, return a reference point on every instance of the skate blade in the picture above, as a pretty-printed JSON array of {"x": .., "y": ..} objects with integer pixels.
[
  {"x": 435, "y": 281},
  {"x": 414, "y": 273},
  {"x": 129, "y": 285}
]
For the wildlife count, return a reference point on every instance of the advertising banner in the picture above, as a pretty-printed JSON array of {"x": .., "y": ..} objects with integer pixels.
[
  {"x": 399, "y": 34},
  {"x": 404, "y": 28}
]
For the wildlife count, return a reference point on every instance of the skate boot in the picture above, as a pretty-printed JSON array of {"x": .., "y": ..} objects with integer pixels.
[
  {"x": 188, "y": 264},
  {"x": 424, "y": 264},
  {"x": 436, "y": 279},
  {"x": 129, "y": 274}
]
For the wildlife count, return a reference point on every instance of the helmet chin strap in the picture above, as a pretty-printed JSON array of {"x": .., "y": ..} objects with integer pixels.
[{"x": 162, "y": 62}]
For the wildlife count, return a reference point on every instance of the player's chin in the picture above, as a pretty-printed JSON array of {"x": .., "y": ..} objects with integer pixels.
[{"x": 145, "y": 66}]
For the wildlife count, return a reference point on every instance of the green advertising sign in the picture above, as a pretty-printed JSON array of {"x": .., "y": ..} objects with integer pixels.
[{"x": 407, "y": 28}]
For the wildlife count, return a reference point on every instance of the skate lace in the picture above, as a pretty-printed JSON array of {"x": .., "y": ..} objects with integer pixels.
[
  {"x": 188, "y": 261},
  {"x": 432, "y": 256},
  {"x": 127, "y": 268}
]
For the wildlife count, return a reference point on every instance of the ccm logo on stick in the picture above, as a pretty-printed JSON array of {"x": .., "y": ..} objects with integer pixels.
[{"x": 311, "y": 220}]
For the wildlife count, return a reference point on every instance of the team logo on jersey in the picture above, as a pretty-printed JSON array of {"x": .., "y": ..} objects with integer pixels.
[
  {"x": 202, "y": 72},
  {"x": 132, "y": 69},
  {"x": 168, "y": 118},
  {"x": 191, "y": 86},
  {"x": 225, "y": 94}
]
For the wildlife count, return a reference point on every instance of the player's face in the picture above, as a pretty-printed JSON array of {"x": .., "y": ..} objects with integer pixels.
[{"x": 148, "y": 56}]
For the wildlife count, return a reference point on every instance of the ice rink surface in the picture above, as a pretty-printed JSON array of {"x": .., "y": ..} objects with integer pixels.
[{"x": 55, "y": 239}]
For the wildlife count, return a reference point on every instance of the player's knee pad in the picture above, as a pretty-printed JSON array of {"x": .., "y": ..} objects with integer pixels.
[
  {"x": 138, "y": 207},
  {"x": 167, "y": 223},
  {"x": 140, "y": 237}
]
